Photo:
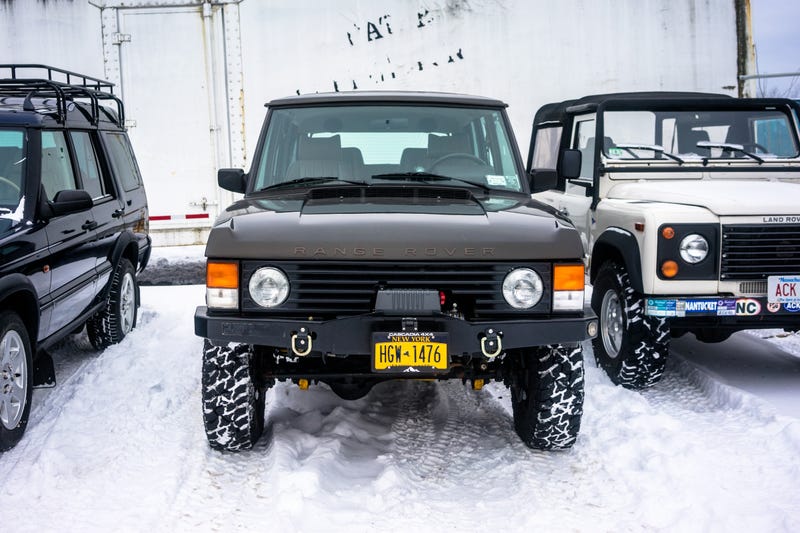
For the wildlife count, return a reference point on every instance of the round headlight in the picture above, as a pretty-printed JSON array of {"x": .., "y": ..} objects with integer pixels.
[
  {"x": 522, "y": 288},
  {"x": 268, "y": 287},
  {"x": 694, "y": 248}
]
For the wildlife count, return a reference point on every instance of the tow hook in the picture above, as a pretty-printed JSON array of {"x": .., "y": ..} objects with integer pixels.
[
  {"x": 491, "y": 344},
  {"x": 301, "y": 343}
]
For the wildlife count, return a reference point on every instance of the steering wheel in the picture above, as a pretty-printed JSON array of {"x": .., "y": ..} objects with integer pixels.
[
  {"x": 8, "y": 183},
  {"x": 448, "y": 157}
]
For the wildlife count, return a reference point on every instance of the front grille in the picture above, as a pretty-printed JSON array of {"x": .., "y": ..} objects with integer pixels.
[
  {"x": 325, "y": 289},
  {"x": 755, "y": 252}
]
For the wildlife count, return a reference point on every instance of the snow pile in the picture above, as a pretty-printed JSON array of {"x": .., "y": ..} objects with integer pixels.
[{"x": 119, "y": 445}]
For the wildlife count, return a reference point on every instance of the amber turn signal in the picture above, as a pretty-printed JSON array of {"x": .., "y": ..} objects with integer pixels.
[
  {"x": 222, "y": 275},
  {"x": 669, "y": 269},
  {"x": 667, "y": 232},
  {"x": 568, "y": 278}
]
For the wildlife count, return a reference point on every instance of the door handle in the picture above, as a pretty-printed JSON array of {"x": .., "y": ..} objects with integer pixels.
[
  {"x": 89, "y": 225},
  {"x": 118, "y": 213}
]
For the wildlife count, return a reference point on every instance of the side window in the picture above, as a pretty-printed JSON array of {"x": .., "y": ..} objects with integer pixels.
[
  {"x": 87, "y": 164},
  {"x": 584, "y": 141},
  {"x": 545, "y": 149},
  {"x": 122, "y": 161},
  {"x": 57, "y": 172}
]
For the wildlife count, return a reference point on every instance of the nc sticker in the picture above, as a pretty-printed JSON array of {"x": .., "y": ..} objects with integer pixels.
[{"x": 747, "y": 307}]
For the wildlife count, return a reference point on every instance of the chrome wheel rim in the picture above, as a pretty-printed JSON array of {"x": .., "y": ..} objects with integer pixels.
[
  {"x": 127, "y": 303},
  {"x": 13, "y": 379},
  {"x": 611, "y": 326}
]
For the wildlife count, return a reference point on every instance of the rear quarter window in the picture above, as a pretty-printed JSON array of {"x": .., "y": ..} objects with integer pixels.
[{"x": 122, "y": 161}]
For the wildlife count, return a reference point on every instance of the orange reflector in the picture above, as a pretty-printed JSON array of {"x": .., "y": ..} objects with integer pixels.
[
  {"x": 303, "y": 384},
  {"x": 222, "y": 275},
  {"x": 639, "y": 226},
  {"x": 568, "y": 278},
  {"x": 667, "y": 232},
  {"x": 669, "y": 269},
  {"x": 477, "y": 384}
]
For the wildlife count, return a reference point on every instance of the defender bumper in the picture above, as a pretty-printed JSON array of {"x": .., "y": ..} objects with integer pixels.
[
  {"x": 724, "y": 311},
  {"x": 353, "y": 335}
]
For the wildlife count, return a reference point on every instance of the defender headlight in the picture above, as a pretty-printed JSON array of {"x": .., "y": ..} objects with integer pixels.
[
  {"x": 694, "y": 248},
  {"x": 522, "y": 288},
  {"x": 269, "y": 287}
]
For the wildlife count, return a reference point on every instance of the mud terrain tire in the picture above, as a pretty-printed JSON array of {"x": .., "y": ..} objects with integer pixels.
[
  {"x": 631, "y": 347},
  {"x": 118, "y": 318},
  {"x": 233, "y": 404},
  {"x": 547, "y": 396}
]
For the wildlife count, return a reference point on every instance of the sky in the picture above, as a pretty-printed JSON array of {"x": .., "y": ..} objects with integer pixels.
[{"x": 776, "y": 34}]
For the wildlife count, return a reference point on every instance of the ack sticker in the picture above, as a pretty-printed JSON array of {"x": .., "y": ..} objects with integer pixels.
[
  {"x": 496, "y": 181},
  {"x": 615, "y": 152}
]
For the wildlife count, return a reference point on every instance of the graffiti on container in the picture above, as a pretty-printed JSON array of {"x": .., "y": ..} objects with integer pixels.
[{"x": 373, "y": 30}]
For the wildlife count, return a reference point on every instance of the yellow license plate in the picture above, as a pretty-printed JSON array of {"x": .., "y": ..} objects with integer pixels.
[{"x": 409, "y": 352}]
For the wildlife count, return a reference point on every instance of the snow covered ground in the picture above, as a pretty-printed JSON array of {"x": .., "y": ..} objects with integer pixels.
[{"x": 118, "y": 445}]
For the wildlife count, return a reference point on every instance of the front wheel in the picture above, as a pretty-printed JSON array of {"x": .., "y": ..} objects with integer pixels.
[
  {"x": 547, "y": 396},
  {"x": 233, "y": 396},
  {"x": 118, "y": 317},
  {"x": 631, "y": 347},
  {"x": 16, "y": 379}
]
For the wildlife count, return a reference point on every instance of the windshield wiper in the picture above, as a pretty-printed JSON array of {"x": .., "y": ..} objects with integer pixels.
[
  {"x": 309, "y": 181},
  {"x": 652, "y": 147},
  {"x": 729, "y": 146},
  {"x": 428, "y": 176}
]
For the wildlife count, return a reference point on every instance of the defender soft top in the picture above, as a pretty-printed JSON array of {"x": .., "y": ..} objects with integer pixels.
[
  {"x": 389, "y": 97},
  {"x": 32, "y": 93},
  {"x": 559, "y": 111}
]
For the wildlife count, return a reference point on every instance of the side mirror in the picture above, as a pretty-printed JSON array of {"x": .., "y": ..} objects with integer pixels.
[
  {"x": 571, "y": 164},
  {"x": 71, "y": 201},
  {"x": 543, "y": 180},
  {"x": 232, "y": 179}
]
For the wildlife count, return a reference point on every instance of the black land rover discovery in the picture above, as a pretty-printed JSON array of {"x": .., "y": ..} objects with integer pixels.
[
  {"x": 73, "y": 226},
  {"x": 391, "y": 236}
]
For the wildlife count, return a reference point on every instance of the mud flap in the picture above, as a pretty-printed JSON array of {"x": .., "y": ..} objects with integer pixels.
[{"x": 44, "y": 373}]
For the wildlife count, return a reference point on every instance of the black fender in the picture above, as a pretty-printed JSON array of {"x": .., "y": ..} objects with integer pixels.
[
  {"x": 18, "y": 293},
  {"x": 126, "y": 246},
  {"x": 617, "y": 243}
]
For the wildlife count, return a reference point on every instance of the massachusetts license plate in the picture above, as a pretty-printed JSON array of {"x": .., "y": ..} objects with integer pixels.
[
  {"x": 783, "y": 289},
  {"x": 409, "y": 352}
]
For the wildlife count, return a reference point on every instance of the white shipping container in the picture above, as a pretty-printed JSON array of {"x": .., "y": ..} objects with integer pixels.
[{"x": 195, "y": 75}]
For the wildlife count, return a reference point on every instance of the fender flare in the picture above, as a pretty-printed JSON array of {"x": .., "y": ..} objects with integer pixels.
[
  {"x": 18, "y": 285},
  {"x": 123, "y": 242},
  {"x": 621, "y": 241}
]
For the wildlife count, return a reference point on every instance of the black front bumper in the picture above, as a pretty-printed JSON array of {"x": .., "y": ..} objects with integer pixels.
[{"x": 353, "y": 335}]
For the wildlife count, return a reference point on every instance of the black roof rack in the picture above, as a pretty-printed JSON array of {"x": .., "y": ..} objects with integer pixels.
[{"x": 68, "y": 87}]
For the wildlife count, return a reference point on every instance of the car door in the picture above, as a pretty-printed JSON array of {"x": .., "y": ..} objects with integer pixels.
[
  {"x": 107, "y": 211},
  {"x": 129, "y": 184},
  {"x": 576, "y": 203},
  {"x": 71, "y": 237}
]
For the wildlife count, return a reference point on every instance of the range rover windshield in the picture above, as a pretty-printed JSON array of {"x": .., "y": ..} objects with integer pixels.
[
  {"x": 12, "y": 170},
  {"x": 757, "y": 135},
  {"x": 371, "y": 144}
]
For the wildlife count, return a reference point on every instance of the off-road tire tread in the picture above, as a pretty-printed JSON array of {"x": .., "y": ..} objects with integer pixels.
[
  {"x": 548, "y": 397},
  {"x": 233, "y": 407},
  {"x": 643, "y": 356},
  {"x": 104, "y": 328}
]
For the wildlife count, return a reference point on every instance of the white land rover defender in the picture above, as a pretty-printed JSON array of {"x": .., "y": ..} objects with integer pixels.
[{"x": 689, "y": 211}]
